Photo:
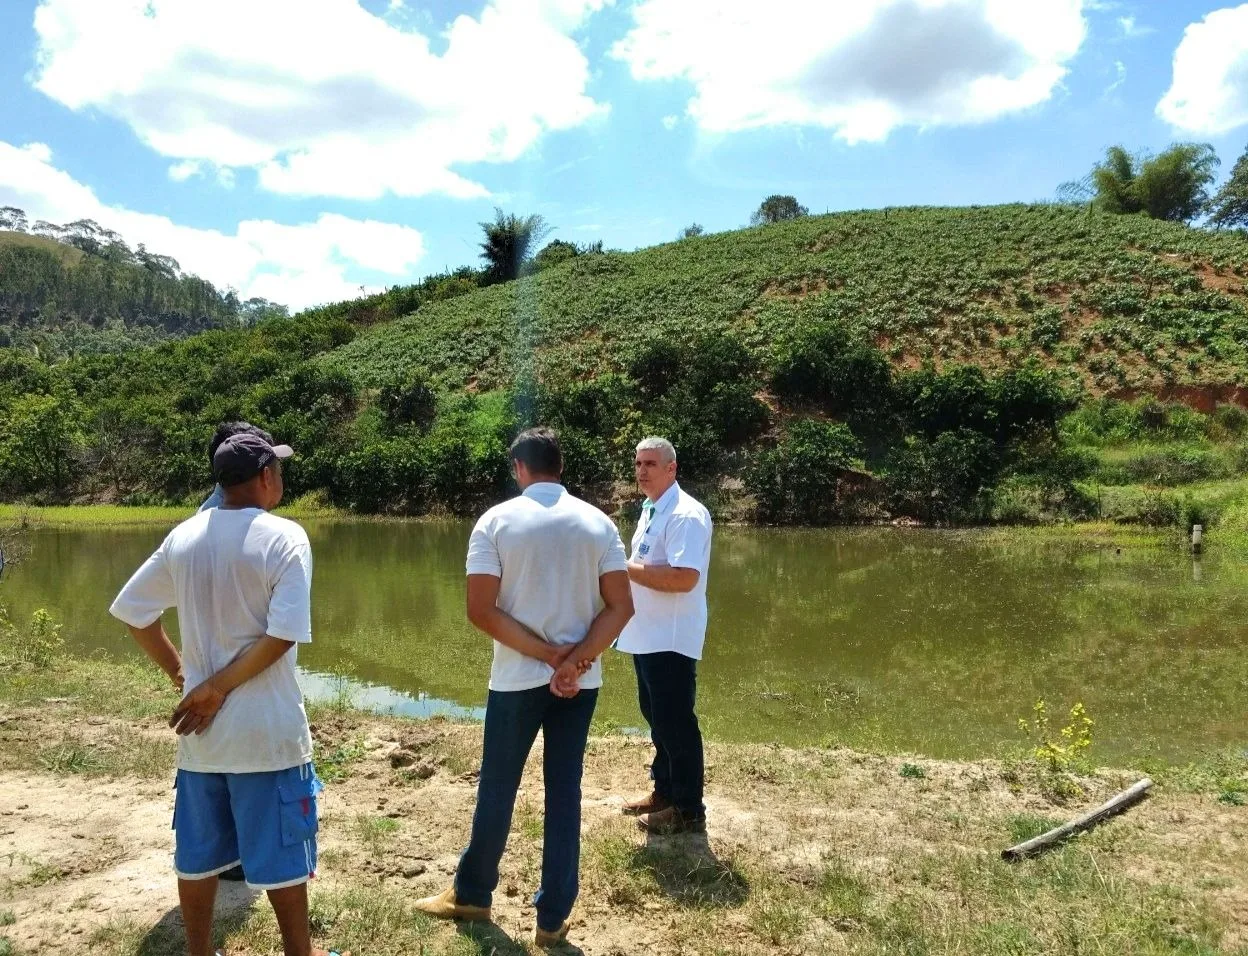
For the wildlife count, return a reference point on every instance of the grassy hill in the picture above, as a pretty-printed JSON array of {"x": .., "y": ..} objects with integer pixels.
[
  {"x": 88, "y": 293},
  {"x": 1010, "y": 363},
  {"x": 1125, "y": 304},
  {"x": 70, "y": 255}
]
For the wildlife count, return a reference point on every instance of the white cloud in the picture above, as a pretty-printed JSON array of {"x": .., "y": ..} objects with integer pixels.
[
  {"x": 1131, "y": 28},
  {"x": 669, "y": 122},
  {"x": 860, "y": 68},
  {"x": 321, "y": 97},
  {"x": 298, "y": 265},
  {"x": 1208, "y": 93},
  {"x": 181, "y": 172},
  {"x": 1120, "y": 77}
]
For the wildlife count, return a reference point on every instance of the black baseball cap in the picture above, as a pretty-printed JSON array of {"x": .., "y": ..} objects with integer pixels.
[{"x": 243, "y": 456}]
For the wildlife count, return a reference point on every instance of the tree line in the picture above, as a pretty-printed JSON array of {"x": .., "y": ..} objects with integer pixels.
[
  {"x": 1173, "y": 185},
  {"x": 80, "y": 288}
]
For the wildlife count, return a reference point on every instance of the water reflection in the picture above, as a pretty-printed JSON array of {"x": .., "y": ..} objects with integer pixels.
[{"x": 932, "y": 642}]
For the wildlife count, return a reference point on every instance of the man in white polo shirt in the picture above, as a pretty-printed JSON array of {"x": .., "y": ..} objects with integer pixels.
[
  {"x": 548, "y": 581},
  {"x": 668, "y": 570}
]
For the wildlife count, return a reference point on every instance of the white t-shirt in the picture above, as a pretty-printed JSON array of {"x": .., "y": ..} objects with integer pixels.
[
  {"x": 234, "y": 576},
  {"x": 678, "y": 534},
  {"x": 548, "y": 548}
]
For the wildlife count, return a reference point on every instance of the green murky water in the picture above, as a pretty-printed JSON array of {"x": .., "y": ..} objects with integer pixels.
[{"x": 924, "y": 641}]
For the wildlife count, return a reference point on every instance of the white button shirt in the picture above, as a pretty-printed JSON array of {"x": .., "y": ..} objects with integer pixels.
[{"x": 675, "y": 532}]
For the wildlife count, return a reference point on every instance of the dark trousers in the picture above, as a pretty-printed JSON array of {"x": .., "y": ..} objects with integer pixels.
[
  {"x": 512, "y": 720},
  {"x": 666, "y": 689}
]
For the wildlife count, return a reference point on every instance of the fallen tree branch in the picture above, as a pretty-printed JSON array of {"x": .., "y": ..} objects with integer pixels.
[{"x": 1115, "y": 804}]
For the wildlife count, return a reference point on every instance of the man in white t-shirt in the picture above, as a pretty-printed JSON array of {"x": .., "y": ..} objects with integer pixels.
[
  {"x": 668, "y": 568},
  {"x": 226, "y": 430},
  {"x": 240, "y": 579},
  {"x": 548, "y": 581}
]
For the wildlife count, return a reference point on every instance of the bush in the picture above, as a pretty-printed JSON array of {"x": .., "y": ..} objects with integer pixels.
[
  {"x": 1029, "y": 499},
  {"x": 942, "y": 478},
  {"x": 36, "y": 646},
  {"x": 800, "y": 480},
  {"x": 40, "y": 440},
  {"x": 1110, "y": 421},
  {"x": 1231, "y": 419},
  {"x": 1130, "y": 504},
  {"x": 465, "y": 453},
  {"x": 962, "y": 397},
  {"x": 829, "y": 366},
  {"x": 959, "y": 397},
  {"x": 699, "y": 395},
  {"x": 1174, "y": 466},
  {"x": 408, "y": 400},
  {"x": 383, "y": 475}
]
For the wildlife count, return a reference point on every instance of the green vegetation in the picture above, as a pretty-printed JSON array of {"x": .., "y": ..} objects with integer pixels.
[
  {"x": 1229, "y": 207},
  {"x": 1064, "y": 750},
  {"x": 898, "y": 363},
  {"x": 777, "y": 208},
  {"x": 509, "y": 242},
  {"x": 373, "y": 831},
  {"x": 35, "y": 645},
  {"x": 1173, "y": 185},
  {"x": 79, "y": 289}
]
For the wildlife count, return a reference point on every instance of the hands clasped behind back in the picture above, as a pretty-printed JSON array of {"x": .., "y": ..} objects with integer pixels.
[{"x": 565, "y": 682}]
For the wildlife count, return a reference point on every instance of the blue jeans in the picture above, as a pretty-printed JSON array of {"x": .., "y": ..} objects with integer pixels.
[
  {"x": 512, "y": 719},
  {"x": 667, "y": 685}
]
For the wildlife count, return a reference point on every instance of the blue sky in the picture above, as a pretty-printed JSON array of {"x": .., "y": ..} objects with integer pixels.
[{"x": 303, "y": 149}]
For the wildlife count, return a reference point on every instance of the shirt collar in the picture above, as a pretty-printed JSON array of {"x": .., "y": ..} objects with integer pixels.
[
  {"x": 543, "y": 489},
  {"x": 666, "y": 500}
]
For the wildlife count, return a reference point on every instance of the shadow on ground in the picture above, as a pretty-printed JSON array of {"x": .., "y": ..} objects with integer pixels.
[
  {"x": 168, "y": 937},
  {"x": 491, "y": 938},
  {"x": 686, "y": 869}
]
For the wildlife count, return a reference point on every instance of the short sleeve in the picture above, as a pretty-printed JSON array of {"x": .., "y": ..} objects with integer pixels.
[
  {"x": 614, "y": 557},
  {"x": 686, "y": 540},
  {"x": 290, "y": 606},
  {"x": 148, "y": 593},
  {"x": 483, "y": 557}
]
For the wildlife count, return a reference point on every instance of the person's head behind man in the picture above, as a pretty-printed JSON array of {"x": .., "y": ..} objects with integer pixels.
[
  {"x": 230, "y": 429},
  {"x": 536, "y": 456},
  {"x": 249, "y": 470},
  {"x": 655, "y": 466}
]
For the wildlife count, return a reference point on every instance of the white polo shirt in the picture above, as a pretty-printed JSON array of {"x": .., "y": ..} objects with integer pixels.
[
  {"x": 548, "y": 548},
  {"x": 678, "y": 534}
]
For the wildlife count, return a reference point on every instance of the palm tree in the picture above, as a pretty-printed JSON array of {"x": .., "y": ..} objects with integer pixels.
[
  {"x": 1173, "y": 185},
  {"x": 508, "y": 241}
]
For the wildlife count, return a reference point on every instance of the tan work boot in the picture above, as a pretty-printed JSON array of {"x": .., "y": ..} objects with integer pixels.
[
  {"x": 445, "y": 906},
  {"x": 651, "y": 803},
  {"x": 545, "y": 937},
  {"x": 670, "y": 822}
]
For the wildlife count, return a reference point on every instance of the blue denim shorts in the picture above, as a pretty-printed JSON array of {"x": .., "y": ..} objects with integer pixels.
[{"x": 265, "y": 821}]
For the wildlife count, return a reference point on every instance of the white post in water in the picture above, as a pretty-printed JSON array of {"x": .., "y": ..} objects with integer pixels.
[{"x": 1196, "y": 535}]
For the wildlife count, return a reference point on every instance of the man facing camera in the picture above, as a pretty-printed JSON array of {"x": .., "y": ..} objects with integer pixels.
[{"x": 671, "y": 555}]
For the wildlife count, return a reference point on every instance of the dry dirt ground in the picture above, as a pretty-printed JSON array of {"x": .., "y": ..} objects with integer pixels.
[{"x": 808, "y": 851}]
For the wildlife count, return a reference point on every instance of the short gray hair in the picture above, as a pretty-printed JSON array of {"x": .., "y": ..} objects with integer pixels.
[{"x": 655, "y": 443}]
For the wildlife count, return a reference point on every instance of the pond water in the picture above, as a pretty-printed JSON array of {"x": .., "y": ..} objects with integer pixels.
[{"x": 907, "y": 640}]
